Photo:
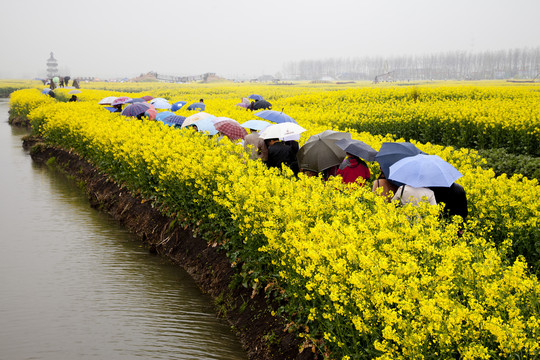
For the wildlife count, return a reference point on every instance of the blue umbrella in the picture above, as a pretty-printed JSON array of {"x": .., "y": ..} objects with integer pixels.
[
  {"x": 162, "y": 115},
  {"x": 135, "y": 100},
  {"x": 256, "y": 124},
  {"x": 46, "y": 91},
  {"x": 392, "y": 152},
  {"x": 173, "y": 120},
  {"x": 255, "y": 97},
  {"x": 178, "y": 105},
  {"x": 111, "y": 109},
  {"x": 206, "y": 125},
  {"x": 423, "y": 171},
  {"x": 275, "y": 116},
  {"x": 197, "y": 105}
]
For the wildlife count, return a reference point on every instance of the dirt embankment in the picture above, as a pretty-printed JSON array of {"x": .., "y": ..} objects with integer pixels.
[{"x": 261, "y": 334}]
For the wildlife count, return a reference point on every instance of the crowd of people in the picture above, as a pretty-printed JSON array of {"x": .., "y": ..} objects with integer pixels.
[{"x": 281, "y": 152}]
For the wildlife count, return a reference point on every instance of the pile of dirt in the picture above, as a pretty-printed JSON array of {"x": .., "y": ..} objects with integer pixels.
[{"x": 262, "y": 335}]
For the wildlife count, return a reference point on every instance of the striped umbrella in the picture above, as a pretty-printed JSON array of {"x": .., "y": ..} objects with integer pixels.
[
  {"x": 136, "y": 109},
  {"x": 173, "y": 120}
]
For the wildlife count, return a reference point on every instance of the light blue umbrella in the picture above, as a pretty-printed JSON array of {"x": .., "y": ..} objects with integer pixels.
[
  {"x": 206, "y": 125},
  {"x": 423, "y": 171},
  {"x": 275, "y": 116},
  {"x": 197, "y": 105},
  {"x": 178, "y": 105},
  {"x": 162, "y": 115},
  {"x": 111, "y": 109},
  {"x": 255, "y": 97},
  {"x": 46, "y": 91},
  {"x": 160, "y": 104},
  {"x": 256, "y": 124}
]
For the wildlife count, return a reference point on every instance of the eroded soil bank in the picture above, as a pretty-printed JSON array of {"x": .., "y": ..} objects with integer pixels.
[{"x": 262, "y": 335}]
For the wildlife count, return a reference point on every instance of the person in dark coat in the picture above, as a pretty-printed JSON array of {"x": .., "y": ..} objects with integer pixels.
[
  {"x": 454, "y": 199},
  {"x": 279, "y": 154},
  {"x": 73, "y": 98}
]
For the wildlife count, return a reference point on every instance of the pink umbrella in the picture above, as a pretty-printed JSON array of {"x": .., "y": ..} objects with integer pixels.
[
  {"x": 147, "y": 97},
  {"x": 151, "y": 113},
  {"x": 231, "y": 129},
  {"x": 245, "y": 103},
  {"x": 121, "y": 100}
]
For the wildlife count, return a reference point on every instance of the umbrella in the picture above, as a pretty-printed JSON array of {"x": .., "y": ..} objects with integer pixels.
[
  {"x": 215, "y": 120},
  {"x": 262, "y": 104},
  {"x": 173, "y": 120},
  {"x": 357, "y": 148},
  {"x": 245, "y": 103},
  {"x": 158, "y": 99},
  {"x": 197, "y": 105},
  {"x": 46, "y": 91},
  {"x": 178, "y": 105},
  {"x": 151, "y": 113},
  {"x": 136, "y": 109},
  {"x": 391, "y": 152},
  {"x": 231, "y": 129},
  {"x": 73, "y": 92},
  {"x": 136, "y": 100},
  {"x": 191, "y": 119},
  {"x": 111, "y": 109},
  {"x": 147, "y": 97},
  {"x": 275, "y": 116},
  {"x": 256, "y": 124},
  {"x": 255, "y": 97},
  {"x": 424, "y": 170},
  {"x": 320, "y": 151},
  {"x": 279, "y": 131},
  {"x": 160, "y": 104},
  {"x": 121, "y": 100},
  {"x": 206, "y": 125},
  {"x": 162, "y": 115},
  {"x": 107, "y": 100}
]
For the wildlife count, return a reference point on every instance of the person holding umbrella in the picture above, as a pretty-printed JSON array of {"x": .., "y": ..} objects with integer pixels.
[{"x": 353, "y": 167}]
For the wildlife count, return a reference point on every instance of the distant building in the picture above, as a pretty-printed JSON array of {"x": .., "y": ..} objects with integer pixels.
[{"x": 52, "y": 67}]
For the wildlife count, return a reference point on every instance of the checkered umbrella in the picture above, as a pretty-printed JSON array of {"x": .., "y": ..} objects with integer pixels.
[{"x": 231, "y": 129}]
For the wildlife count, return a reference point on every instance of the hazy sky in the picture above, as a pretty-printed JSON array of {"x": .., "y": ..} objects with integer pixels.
[{"x": 110, "y": 38}]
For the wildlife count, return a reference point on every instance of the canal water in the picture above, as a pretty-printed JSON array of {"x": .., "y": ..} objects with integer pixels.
[{"x": 75, "y": 285}]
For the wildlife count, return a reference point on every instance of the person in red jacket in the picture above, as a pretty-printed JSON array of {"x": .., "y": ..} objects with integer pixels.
[{"x": 352, "y": 168}]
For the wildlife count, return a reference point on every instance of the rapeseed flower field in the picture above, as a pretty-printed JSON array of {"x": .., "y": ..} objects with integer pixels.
[{"x": 355, "y": 276}]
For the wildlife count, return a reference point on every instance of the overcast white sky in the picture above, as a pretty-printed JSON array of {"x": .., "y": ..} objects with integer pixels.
[{"x": 110, "y": 38}]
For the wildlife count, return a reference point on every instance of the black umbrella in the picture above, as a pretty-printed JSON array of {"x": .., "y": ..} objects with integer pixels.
[
  {"x": 357, "y": 148},
  {"x": 320, "y": 151},
  {"x": 262, "y": 105},
  {"x": 391, "y": 152}
]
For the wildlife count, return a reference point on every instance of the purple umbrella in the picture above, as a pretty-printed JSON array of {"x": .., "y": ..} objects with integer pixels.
[{"x": 136, "y": 109}]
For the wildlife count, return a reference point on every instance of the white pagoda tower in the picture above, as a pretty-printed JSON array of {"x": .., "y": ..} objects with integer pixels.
[{"x": 52, "y": 67}]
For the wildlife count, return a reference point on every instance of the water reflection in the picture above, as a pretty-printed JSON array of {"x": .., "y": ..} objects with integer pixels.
[{"x": 76, "y": 285}]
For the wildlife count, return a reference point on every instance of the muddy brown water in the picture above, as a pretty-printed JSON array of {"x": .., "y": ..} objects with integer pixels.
[{"x": 75, "y": 285}]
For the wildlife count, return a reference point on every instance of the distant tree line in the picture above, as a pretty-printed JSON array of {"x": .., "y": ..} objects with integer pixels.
[{"x": 457, "y": 65}]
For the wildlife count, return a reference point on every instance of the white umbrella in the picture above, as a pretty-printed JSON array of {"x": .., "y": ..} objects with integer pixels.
[
  {"x": 195, "y": 117},
  {"x": 280, "y": 131},
  {"x": 108, "y": 100},
  {"x": 72, "y": 92}
]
